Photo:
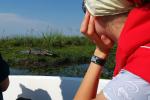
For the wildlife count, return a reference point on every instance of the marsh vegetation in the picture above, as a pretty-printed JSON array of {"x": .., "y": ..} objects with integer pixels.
[{"x": 52, "y": 54}]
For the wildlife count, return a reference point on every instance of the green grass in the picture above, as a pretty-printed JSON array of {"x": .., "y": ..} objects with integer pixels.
[{"x": 71, "y": 50}]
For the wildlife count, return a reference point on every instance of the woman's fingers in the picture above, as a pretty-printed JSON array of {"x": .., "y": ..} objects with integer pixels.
[
  {"x": 87, "y": 26},
  {"x": 88, "y": 29},
  {"x": 85, "y": 22},
  {"x": 92, "y": 33},
  {"x": 91, "y": 27}
]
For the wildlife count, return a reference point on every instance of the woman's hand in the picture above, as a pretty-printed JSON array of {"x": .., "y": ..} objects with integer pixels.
[{"x": 103, "y": 43}]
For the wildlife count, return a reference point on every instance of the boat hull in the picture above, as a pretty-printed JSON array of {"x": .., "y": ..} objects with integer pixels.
[{"x": 44, "y": 87}]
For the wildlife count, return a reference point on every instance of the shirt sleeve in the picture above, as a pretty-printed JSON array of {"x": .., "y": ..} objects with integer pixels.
[{"x": 4, "y": 69}]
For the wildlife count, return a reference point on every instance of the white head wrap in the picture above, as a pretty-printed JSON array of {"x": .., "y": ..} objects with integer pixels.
[{"x": 107, "y": 7}]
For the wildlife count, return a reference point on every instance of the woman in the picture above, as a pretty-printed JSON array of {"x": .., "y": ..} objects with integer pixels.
[
  {"x": 4, "y": 72},
  {"x": 125, "y": 22}
]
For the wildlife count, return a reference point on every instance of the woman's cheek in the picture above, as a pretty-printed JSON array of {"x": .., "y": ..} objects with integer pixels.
[{"x": 99, "y": 28}]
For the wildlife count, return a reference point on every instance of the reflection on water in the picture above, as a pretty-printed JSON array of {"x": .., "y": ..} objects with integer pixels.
[
  {"x": 68, "y": 71},
  {"x": 14, "y": 71},
  {"x": 71, "y": 71}
]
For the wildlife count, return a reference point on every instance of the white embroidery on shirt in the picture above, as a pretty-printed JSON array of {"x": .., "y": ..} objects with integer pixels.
[{"x": 147, "y": 47}]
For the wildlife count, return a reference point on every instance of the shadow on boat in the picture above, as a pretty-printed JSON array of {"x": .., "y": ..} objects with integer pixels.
[
  {"x": 69, "y": 87},
  {"x": 28, "y": 94}
]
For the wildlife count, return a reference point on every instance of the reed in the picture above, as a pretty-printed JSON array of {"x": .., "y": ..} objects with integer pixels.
[{"x": 70, "y": 51}]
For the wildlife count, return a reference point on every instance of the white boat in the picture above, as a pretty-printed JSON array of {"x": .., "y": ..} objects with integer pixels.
[{"x": 44, "y": 87}]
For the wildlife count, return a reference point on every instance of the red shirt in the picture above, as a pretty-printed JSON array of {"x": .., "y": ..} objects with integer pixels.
[{"x": 133, "y": 52}]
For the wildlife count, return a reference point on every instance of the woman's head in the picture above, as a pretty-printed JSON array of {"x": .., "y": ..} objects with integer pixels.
[{"x": 110, "y": 22}]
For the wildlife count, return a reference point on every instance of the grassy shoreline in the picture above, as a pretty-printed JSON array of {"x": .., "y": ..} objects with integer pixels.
[{"x": 70, "y": 51}]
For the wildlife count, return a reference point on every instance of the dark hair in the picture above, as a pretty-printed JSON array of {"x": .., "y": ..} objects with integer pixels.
[
  {"x": 143, "y": 2},
  {"x": 83, "y": 6}
]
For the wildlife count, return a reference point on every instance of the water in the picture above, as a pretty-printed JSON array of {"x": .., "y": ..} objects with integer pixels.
[
  {"x": 71, "y": 71},
  {"x": 14, "y": 71}
]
